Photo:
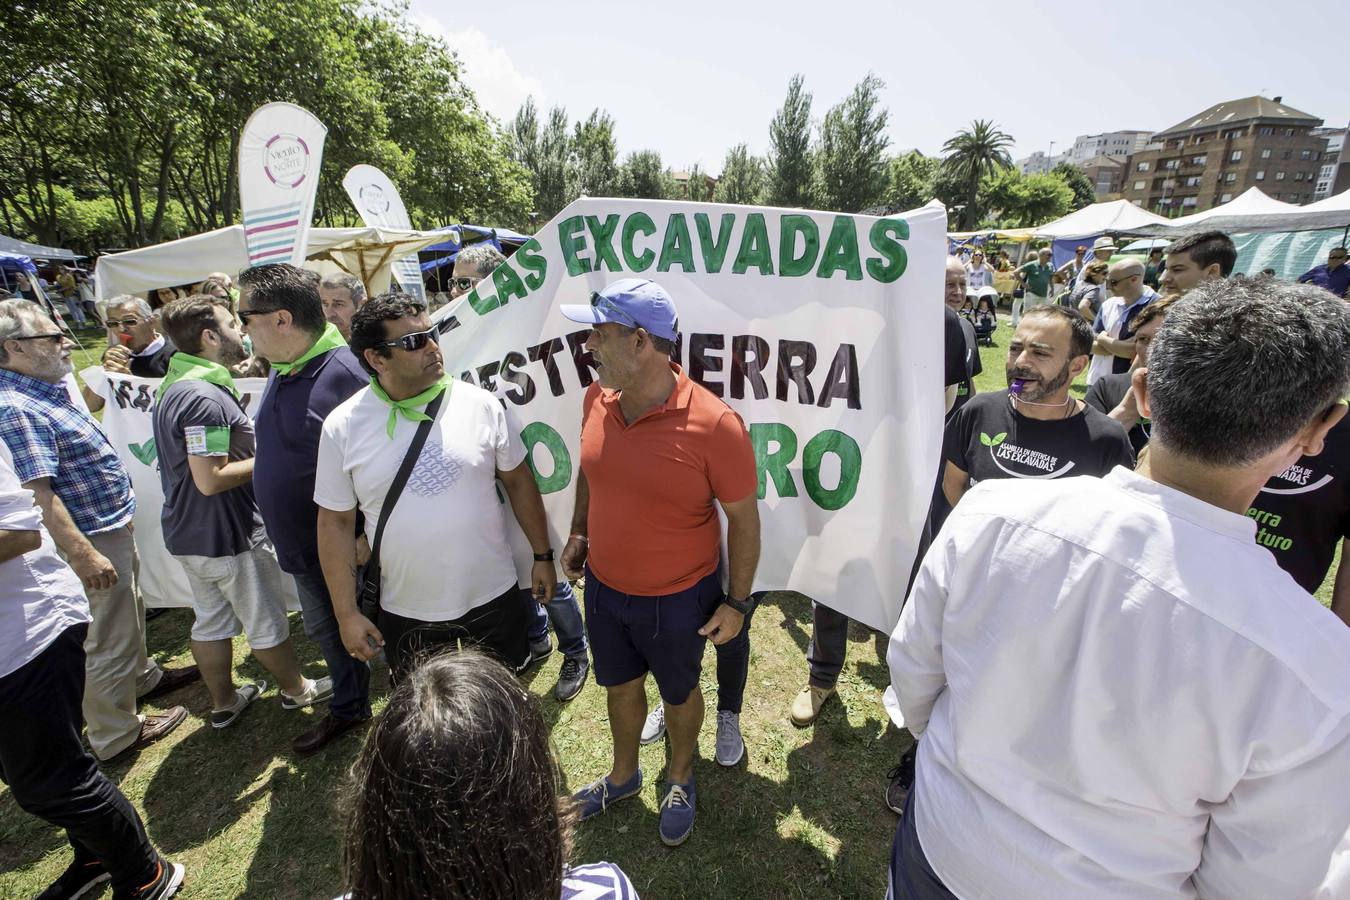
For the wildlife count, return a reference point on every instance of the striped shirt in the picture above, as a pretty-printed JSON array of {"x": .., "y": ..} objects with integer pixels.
[{"x": 50, "y": 437}]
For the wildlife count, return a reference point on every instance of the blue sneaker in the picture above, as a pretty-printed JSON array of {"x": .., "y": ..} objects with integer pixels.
[
  {"x": 677, "y": 813},
  {"x": 597, "y": 796}
]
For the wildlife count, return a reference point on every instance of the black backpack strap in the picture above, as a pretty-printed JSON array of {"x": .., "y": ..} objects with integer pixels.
[{"x": 401, "y": 478}]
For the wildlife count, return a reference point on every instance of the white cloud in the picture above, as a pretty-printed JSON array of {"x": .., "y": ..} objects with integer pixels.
[{"x": 487, "y": 68}]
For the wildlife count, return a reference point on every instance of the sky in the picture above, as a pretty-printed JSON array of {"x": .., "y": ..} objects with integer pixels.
[{"x": 693, "y": 79}]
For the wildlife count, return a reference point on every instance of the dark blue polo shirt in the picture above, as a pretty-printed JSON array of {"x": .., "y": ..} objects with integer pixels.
[{"x": 287, "y": 423}]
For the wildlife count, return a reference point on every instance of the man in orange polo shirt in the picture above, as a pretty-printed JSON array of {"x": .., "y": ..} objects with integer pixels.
[{"x": 656, "y": 451}]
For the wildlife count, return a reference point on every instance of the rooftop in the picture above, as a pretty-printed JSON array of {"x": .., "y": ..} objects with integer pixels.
[{"x": 1231, "y": 112}]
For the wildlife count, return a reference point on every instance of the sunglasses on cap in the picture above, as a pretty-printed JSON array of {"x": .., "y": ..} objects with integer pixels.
[
  {"x": 611, "y": 308},
  {"x": 410, "y": 342}
]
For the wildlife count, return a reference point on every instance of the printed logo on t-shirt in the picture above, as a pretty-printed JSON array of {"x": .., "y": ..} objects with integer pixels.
[
  {"x": 1300, "y": 481},
  {"x": 1043, "y": 464},
  {"x": 436, "y": 471}
]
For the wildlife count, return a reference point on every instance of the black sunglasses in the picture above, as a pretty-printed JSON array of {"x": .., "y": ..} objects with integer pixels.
[
  {"x": 245, "y": 314},
  {"x": 39, "y": 337},
  {"x": 410, "y": 342},
  {"x": 464, "y": 284}
]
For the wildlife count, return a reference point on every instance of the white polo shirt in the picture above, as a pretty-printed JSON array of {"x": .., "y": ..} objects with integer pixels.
[
  {"x": 40, "y": 595},
  {"x": 1120, "y": 695},
  {"x": 444, "y": 549}
]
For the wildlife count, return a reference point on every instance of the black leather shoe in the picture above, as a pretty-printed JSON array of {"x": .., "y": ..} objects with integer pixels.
[
  {"x": 172, "y": 680},
  {"x": 329, "y": 729}
]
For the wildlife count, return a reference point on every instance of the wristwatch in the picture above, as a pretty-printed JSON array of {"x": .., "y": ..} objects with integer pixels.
[
  {"x": 544, "y": 557},
  {"x": 744, "y": 607}
]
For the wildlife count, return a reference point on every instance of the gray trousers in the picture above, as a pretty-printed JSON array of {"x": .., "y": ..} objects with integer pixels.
[{"x": 829, "y": 644}]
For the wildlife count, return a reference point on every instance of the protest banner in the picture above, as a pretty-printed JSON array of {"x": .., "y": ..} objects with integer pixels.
[
  {"x": 378, "y": 201},
  {"x": 127, "y": 420},
  {"x": 823, "y": 331},
  {"x": 280, "y": 152}
]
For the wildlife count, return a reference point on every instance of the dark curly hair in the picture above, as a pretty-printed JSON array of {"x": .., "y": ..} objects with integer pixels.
[
  {"x": 456, "y": 791},
  {"x": 368, "y": 323}
]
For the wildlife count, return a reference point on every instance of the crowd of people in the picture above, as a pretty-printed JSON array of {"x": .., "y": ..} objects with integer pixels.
[{"x": 1116, "y": 681}]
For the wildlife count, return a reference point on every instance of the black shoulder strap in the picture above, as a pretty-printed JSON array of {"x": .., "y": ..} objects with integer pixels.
[{"x": 404, "y": 471}]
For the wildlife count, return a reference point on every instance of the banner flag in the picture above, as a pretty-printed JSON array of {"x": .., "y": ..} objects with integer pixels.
[
  {"x": 380, "y": 205},
  {"x": 127, "y": 420},
  {"x": 279, "y": 158},
  {"x": 823, "y": 331}
]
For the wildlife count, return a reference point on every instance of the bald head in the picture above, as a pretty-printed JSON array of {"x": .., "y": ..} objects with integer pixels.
[{"x": 1125, "y": 278}]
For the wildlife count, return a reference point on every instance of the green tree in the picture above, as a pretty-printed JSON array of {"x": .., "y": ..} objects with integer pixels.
[
  {"x": 912, "y": 180},
  {"x": 593, "y": 161},
  {"x": 550, "y": 178},
  {"x": 642, "y": 175},
  {"x": 790, "y": 168},
  {"x": 1083, "y": 192},
  {"x": 1026, "y": 200},
  {"x": 852, "y": 155},
  {"x": 742, "y": 178},
  {"x": 973, "y": 154},
  {"x": 697, "y": 187}
]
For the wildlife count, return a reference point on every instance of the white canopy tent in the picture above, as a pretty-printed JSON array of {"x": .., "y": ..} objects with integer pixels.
[
  {"x": 1112, "y": 217},
  {"x": 1251, "y": 202},
  {"x": 1333, "y": 212},
  {"x": 367, "y": 253}
]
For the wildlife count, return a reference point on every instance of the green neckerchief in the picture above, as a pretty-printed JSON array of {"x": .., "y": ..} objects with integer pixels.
[
  {"x": 410, "y": 409},
  {"x": 331, "y": 339},
  {"x": 185, "y": 367}
]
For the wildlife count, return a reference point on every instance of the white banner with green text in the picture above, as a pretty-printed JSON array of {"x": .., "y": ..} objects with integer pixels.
[{"x": 823, "y": 331}]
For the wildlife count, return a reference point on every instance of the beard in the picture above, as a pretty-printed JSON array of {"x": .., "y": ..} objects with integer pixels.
[
  {"x": 1036, "y": 390},
  {"x": 232, "y": 353}
]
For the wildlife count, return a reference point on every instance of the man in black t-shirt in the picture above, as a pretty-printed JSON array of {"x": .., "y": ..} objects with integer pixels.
[
  {"x": 954, "y": 294},
  {"x": 1035, "y": 429},
  {"x": 1112, "y": 393}
]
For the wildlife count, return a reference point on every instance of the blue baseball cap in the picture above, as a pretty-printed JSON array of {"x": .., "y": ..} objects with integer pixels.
[{"x": 634, "y": 302}]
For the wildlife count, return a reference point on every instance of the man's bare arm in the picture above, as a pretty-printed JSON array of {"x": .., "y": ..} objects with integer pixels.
[{"x": 94, "y": 569}]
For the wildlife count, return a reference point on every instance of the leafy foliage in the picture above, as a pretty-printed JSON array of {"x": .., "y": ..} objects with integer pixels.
[
  {"x": 973, "y": 154},
  {"x": 791, "y": 167},
  {"x": 742, "y": 178},
  {"x": 852, "y": 154}
]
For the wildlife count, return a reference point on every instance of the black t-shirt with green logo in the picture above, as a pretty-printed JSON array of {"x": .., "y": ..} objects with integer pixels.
[
  {"x": 989, "y": 439},
  {"x": 1304, "y": 512}
]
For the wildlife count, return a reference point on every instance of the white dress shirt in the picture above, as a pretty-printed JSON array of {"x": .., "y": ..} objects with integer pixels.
[{"x": 1120, "y": 695}]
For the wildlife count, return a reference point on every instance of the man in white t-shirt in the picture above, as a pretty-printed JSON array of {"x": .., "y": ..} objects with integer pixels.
[{"x": 446, "y": 571}]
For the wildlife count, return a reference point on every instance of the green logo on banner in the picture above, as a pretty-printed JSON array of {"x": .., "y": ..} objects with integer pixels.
[{"x": 144, "y": 452}]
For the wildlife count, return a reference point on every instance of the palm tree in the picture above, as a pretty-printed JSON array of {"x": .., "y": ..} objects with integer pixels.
[{"x": 972, "y": 154}]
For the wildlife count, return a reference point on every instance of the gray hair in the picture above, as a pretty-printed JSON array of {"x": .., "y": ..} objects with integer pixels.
[
  {"x": 17, "y": 318},
  {"x": 483, "y": 257},
  {"x": 1240, "y": 366},
  {"x": 351, "y": 283},
  {"x": 142, "y": 306}
]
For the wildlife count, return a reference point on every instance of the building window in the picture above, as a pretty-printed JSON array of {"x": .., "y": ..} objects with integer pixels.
[
  {"x": 1199, "y": 160},
  {"x": 1279, "y": 176},
  {"x": 1260, "y": 174},
  {"x": 1188, "y": 201},
  {"x": 1230, "y": 178},
  {"x": 1235, "y": 156},
  {"x": 1290, "y": 132},
  {"x": 1298, "y": 176},
  {"x": 1140, "y": 185},
  {"x": 1275, "y": 196},
  {"x": 1305, "y": 154},
  {"x": 1172, "y": 165},
  {"x": 1265, "y": 131},
  {"x": 1287, "y": 154},
  {"x": 1225, "y": 198},
  {"x": 1193, "y": 181},
  {"x": 1265, "y": 154},
  {"x": 1142, "y": 167}
]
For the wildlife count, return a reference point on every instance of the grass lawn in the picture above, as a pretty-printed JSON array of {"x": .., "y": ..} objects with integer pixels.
[{"x": 802, "y": 816}]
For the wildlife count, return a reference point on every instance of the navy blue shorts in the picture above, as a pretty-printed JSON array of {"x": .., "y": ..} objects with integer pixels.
[{"x": 631, "y": 635}]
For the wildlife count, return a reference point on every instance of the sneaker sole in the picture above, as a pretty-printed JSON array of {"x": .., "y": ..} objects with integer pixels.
[
  {"x": 729, "y": 763},
  {"x": 92, "y": 885},
  {"x": 675, "y": 842},
  {"x": 644, "y": 741},
  {"x": 175, "y": 881}
]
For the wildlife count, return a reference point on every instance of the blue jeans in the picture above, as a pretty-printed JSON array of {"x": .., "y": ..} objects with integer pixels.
[
  {"x": 351, "y": 677},
  {"x": 565, "y": 614}
]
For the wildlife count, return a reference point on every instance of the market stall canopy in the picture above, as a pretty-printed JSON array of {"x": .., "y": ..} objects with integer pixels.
[
  {"x": 457, "y": 237},
  {"x": 16, "y": 247},
  {"x": 1333, "y": 212},
  {"x": 1016, "y": 235},
  {"x": 1251, "y": 202},
  {"x": 1113, "y": 217},
  {"x": 364, "y": 252}
]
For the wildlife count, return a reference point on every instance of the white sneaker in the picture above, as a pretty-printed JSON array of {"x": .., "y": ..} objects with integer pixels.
[
  {"x": 315, "y": 692},
  {"x": 655, "y": 727},
  {"x": 730, "y": 747}
]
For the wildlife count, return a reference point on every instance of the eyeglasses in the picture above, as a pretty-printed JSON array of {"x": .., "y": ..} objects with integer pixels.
[
  {"x": 246, "y": 314},
  {"x": 464, "y": 284},
  {"x": 410, "y": 342},
  {"x": 1115, "y": 281},
  {"x": 126, "y": 323},
  {"x": 58, "y": 337},
  {"x": 610, "y": 307}
]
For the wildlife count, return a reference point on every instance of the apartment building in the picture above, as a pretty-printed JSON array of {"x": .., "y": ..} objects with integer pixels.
[
  {"x": 1212, "y": 157},
  {"x": 1334, "y": 175},
  {"x": 1112, "y": 143}
]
